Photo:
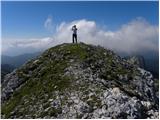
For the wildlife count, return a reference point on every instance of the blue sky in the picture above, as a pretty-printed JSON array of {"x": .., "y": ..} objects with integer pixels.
[
  {"x": 26, "y": 19},
  {"x": 29, "y": 27}
]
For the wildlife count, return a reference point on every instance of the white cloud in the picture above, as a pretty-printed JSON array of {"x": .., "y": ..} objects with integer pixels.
[
  {"x": 48, "y": 24},
  {"x": 138, "y": 35},
  {"x": 135, "y": 36},
  {"x": 19, "y": 46}
]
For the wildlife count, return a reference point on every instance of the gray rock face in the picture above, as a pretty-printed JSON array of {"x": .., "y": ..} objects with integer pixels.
[
  {"x": 11, "y": 82},
  {"x": 79, "y": 81},
  {"x": 116, "y": 103},
  {"x": 137, "y": 60}
]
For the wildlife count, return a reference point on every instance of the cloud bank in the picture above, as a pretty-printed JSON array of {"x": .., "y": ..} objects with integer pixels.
[
  {"x": 48, "y": 24},
  {"x": 138, "y": 35},
  {"x": 133, "y": 37}
]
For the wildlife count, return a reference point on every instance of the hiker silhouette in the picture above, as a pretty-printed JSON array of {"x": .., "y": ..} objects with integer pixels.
[{"x": 74, "y": 35}]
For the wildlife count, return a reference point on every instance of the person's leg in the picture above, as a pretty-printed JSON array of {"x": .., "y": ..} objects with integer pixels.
[
  {"x": 73, "y": 38},
  {"x": 76, "y": 38}
]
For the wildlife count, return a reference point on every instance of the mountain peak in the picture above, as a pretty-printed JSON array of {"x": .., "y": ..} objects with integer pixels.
[{"x": 79, "y": 81}]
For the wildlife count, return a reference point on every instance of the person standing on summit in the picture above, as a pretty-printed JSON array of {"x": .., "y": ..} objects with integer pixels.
[{"x": 74, "y": 36}]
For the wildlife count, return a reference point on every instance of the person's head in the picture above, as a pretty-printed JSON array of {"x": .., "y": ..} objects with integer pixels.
[{"x": 74, "y": 26}]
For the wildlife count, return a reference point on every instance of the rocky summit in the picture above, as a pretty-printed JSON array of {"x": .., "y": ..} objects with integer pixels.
[{"x": 79, "y": 81}]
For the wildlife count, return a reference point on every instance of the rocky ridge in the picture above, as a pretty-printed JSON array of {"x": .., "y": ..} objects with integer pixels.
[{"x": 79, "y": 81}]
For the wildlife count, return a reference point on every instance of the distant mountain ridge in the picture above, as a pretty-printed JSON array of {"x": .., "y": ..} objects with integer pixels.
[
  {"x": 5, "y": 69},
  {"x": 19, "y": 60},
  {"x": 8, "y": 63}
]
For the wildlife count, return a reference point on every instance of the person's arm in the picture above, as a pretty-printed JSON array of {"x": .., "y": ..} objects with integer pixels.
[{"x": 72, "y": 28}]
